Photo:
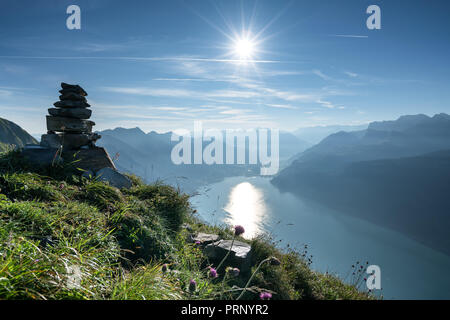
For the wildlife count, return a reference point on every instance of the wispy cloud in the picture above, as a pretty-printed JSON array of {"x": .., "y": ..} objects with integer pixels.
[
  {"x": 144, "y": 59},
  {"x": 348, "y": 36}
]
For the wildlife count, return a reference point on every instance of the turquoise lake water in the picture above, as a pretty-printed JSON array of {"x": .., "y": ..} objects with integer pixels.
[{"x": 409, "y": 270}]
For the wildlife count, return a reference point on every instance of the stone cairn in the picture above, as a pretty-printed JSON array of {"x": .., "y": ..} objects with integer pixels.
[
  {"x": 68, "y": 125},
  {"x": 70, "y": 138}
]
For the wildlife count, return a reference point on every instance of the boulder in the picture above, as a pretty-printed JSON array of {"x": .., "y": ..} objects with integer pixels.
[
  {"x": 93, "y": 158},
  {"x": 114, "y": 178},
  {"x": 77, "y": 113},
  {"x": 41, "y": 157},
  {"x": 73, "y": 87},
  {"x": 204, "y": 238},
  {"x": 240, "y": 255},
  {"x": 63, "y": 124},
  {"x": 68, "y": 140},
  {"x": 71, "y": 104}
]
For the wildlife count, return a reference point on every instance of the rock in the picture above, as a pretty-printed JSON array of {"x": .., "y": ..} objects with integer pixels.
[
  {"x": 114, "y": 178},
  {"x": 73, "y": 87},
  {"x": 71, "y": 104},
  {"x": 240, "y": 254},
  {"x": 41, "y": 157},
  {"x": 94, "y": 158},
  {"x": 77, "y": 113},
  {"x": 63, "y": 124},
  {"x": 205, "y": 238},
  {"x": 72, "y": 96},
  {"x": 68, "y": 140}
]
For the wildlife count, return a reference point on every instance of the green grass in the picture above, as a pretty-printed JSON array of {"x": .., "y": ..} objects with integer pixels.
[{"x": 67, "y": 237}]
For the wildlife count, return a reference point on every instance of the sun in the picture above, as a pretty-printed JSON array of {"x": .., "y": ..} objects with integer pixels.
[{"x": 244, "y": 48}]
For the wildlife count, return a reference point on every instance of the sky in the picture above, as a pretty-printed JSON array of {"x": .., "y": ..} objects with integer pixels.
[{"x": 161, "y": 65}]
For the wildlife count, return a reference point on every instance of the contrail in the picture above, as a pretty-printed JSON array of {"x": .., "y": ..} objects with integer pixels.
[{"x": 139, "y": 59}]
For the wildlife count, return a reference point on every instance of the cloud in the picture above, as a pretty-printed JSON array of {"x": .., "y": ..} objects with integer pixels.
[
  {"x": 348, "y": 36},
  {"x": 351, "y": 74},
  {"x": 282, "y": 106}
]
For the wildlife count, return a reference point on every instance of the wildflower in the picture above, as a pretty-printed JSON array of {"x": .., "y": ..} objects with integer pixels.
[
  {"x": 213, "y": 273},
  {"x": 265, "y": 295},
  {"x": 164, "y": 268},
  {"x": 238, "y": 230},
  {"x": 197, "y": 242},
  {"x": 274, "y": 261},
  {"x": 192, "y": 285},
  {"x": 233, "y": 271}
]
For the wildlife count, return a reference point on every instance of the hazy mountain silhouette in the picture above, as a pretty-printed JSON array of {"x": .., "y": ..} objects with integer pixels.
[
  {"x": 314, "y": 135},
  {"x": 394, "y": 173}
]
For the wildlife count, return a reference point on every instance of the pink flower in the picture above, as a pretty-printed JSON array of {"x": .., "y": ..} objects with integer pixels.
[
  {"x": 213, "y": 273},
  {"x": 265, "y": 295},
  {"x": 192, "y": 285},
  {"x": 238, "y": 230}
]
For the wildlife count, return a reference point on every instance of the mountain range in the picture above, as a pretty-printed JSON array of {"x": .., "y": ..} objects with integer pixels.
[{"x": 394, "y": 173}]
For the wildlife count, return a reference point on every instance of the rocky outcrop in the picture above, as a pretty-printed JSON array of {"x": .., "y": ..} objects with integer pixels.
[
  {"x": 240, "y": 255},
  {"x": 114, "y": 178}
]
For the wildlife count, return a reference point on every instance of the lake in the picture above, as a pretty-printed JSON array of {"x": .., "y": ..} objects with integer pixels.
[{"x": 336, "y": 241}]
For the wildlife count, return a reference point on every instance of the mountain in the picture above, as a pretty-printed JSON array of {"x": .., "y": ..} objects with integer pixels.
[
  {"x": 394, "y": 173},
  {"x": 12, "y": 134},
  {"x": 314, "y": 135},
  {"x": 148, "y": 155}
]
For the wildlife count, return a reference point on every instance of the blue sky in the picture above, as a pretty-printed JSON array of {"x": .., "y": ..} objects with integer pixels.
[{"x": 161, "y": 65}]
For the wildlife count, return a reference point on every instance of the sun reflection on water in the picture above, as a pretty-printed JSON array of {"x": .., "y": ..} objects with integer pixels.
[{"x": 246, "y": 207}]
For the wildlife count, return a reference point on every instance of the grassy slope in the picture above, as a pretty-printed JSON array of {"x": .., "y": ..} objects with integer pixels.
[{"x": 56, "y": 227}]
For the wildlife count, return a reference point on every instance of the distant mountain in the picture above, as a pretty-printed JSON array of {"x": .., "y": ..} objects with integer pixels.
[
  {"x": 12, "y": 134},
  {"x": 394, "y": 173},
  {"x": 148, "y": 155},
  {"x": 314, "y": 135}
]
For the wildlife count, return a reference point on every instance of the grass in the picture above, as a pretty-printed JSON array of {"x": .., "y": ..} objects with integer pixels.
[{"x": 67, "y": 237}]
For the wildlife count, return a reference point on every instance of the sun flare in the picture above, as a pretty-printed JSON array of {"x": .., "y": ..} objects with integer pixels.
[{"x": 244, "y": 48}]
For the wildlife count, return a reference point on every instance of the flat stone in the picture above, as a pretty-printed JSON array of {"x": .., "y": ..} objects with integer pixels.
[
  {"x": 77, "y": 113},
  {"x": 240, "y": 254},
  {"x": 63, "y": 124},
  {"x": 71, "y": 104},
  {"x": 204, "y": 238},
  {"x": 41, "y": 157},
  {"x": 73, "y": 87},
  {"x": 114, "y": 178},
  {"x": 72, "y": 96},
  {"x": 94, "y": 158},
  {"x": 68, "y": 140}
]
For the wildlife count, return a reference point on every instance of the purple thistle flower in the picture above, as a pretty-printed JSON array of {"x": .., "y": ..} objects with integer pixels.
[
  {"x": 213, "y": 273},
  {"x": 265, "y": 296},
  {"x": 197, "y": 242},
  {"x": 192, "y": 285},
  {"x": 238, "y": 230}
]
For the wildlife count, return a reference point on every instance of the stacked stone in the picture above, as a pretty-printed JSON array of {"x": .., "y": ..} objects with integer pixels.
[{"x": 68, "y": 125}]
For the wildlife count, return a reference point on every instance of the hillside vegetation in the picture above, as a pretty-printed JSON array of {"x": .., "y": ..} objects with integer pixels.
[{"x": 67, "y": 237}]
